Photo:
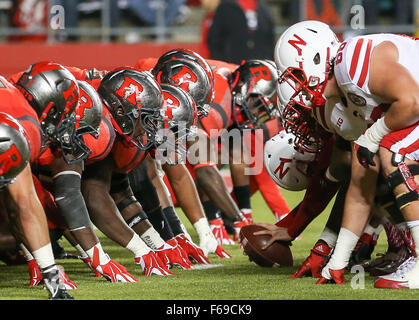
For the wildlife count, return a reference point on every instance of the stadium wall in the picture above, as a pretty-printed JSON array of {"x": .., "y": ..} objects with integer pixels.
[{"x": 16, "y": 57}]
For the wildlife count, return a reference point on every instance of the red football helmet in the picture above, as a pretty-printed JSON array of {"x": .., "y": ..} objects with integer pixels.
[
  {"x": 53, "y": 92},
  {"x": 191, "y": 77},
  {"x": 14, "y": 149},
  {"x": 135, "y": 100},
  {"x": 88, "y": 116}
]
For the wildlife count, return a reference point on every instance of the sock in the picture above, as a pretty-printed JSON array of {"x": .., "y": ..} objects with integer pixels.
[
  {"x": 83, "y": 253},
  {"x": 137, "y": 246},
  {"x": 152, "y": 238},
  {"x": 242, "y": 195},
  {"x": 97, "y": 250},
  {"x": 211, "y": 211},
  {"x": 173, "y": 219},
  {"x": 159, "y": 220},
  {"x": 44, "y": 256},
  {"x": 345, "y": 244}
]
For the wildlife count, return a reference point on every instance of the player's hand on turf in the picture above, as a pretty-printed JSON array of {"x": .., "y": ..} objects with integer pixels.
[
  {"x": 237, "y": 227},
  {"x": 220, "y": 232},
  {"x": 173, "y": 255},
  {"x": 152, "y": 264},
  {"x": 313, "y": 264},
  {"x": 276, "y": 233},
  {"x": 88, "y": 261},
  {"x": 112, "y": 271},
  {"x": 194, "y": 252},
  {"x": 220, "y": 252},
  {"x": 247, "y": 213}
]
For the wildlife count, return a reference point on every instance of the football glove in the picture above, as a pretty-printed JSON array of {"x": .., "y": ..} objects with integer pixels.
[
  {"x": 192, "y": 250},
  {"x": 152, "y": 264},
  {"x": 312, "y": 266}
]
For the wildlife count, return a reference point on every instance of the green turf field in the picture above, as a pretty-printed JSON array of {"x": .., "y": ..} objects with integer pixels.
[{"x": 231, "y": 279}]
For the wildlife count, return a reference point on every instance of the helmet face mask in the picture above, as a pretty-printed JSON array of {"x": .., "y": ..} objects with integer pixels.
[
  {"x": 304, "y": 55},
  {"x": 177, "y": 123},
  {"x": 254, "y": 94}
]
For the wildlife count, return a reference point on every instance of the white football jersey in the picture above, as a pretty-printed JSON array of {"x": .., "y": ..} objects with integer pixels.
[
  {"x": 333, "y": 118},
  {"x": 359, "y": 107}
]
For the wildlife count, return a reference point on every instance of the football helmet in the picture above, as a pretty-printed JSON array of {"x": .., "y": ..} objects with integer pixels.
[
  {"x": 303, "y": 55},
  {"x": 188, "y": 55},
  {"x": 135, "y": 100},
  {"x": 53, "y": 92},
  {"x": 14, "y": 150},
  {"x": 191, "y": 77},
  {"x": 88, "y": 116},
  {"x": 254, "y": 97},
  {"x": 179, "y": 116},
  {"x": 288, "y": 166}
]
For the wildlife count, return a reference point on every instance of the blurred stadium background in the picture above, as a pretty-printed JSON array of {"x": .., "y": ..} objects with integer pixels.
[{"x": 110, "y": 33}]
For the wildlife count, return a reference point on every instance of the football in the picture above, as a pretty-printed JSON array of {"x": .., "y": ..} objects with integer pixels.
[{"x": 276, "y": 255}]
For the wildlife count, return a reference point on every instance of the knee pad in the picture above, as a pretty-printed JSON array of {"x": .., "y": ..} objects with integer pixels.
[{"x": 404, "y": 174}]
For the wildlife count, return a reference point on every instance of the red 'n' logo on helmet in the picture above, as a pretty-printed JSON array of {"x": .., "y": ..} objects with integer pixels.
[
  {"x": 10, "y": 159},
  {"x": 184, "y": 77},
  {"x": 280, "y": 168},
  {"x": 296, "y": 43},
  {"x": 130, "y": 90}
]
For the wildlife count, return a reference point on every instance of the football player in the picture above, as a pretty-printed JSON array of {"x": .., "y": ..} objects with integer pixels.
[
  {"x": 42, "y": 103},
  {"x": 373, "y": 78}
]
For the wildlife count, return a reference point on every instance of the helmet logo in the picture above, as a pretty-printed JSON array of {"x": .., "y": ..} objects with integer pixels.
[
  {"x": 10, "y": 159},
  {"x": 171, "y": 102},
  {"x": 130, "y": 91},
  {"x": 260, "y": 73},
  {"x": 70, "y": 96},
  {"x": 85, "y": 103},
  {"x": 184, "y": 77},
  {"x": 280, "y": 168},
  {"x": 296, "y": 43}
]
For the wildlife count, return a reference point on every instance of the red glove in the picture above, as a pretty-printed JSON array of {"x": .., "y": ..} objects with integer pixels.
[
  {"x": 152, "y": 264},
  {"x": 247, "y": 213},
  {"x": 192, "y": 250},
  {"x": 220, "y": 232},
  {"x": 34, "y": 273},
  {"x": 237, "y": 227},
  {"x": 88, "y": 261},
  {"x": 112, "y": 270},
  {"x": 315, "y": 261},
  {"x": 36, "y": 276},
  {"x": 222, "y": 253},
  {"x": 173, "y": 255},
  {"x": 336, "y": 276}
]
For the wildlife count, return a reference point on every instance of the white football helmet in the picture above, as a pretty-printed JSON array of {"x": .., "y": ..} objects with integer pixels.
[
  {"x": 303, "y": 56},
  {"x": 288, "y": 166}
]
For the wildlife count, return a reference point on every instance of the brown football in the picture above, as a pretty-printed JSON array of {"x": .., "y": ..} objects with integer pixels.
[{"x": 277, "y": 254}]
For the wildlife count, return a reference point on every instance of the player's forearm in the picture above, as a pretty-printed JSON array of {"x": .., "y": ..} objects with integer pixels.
[{"x": 403, "y": 113}]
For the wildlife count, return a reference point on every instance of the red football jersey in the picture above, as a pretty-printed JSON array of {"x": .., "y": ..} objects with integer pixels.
[
  {"x": 220, "y": 116},
  {"x": 126, "y": 157},
  {"x": 14, "y": 103}
]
